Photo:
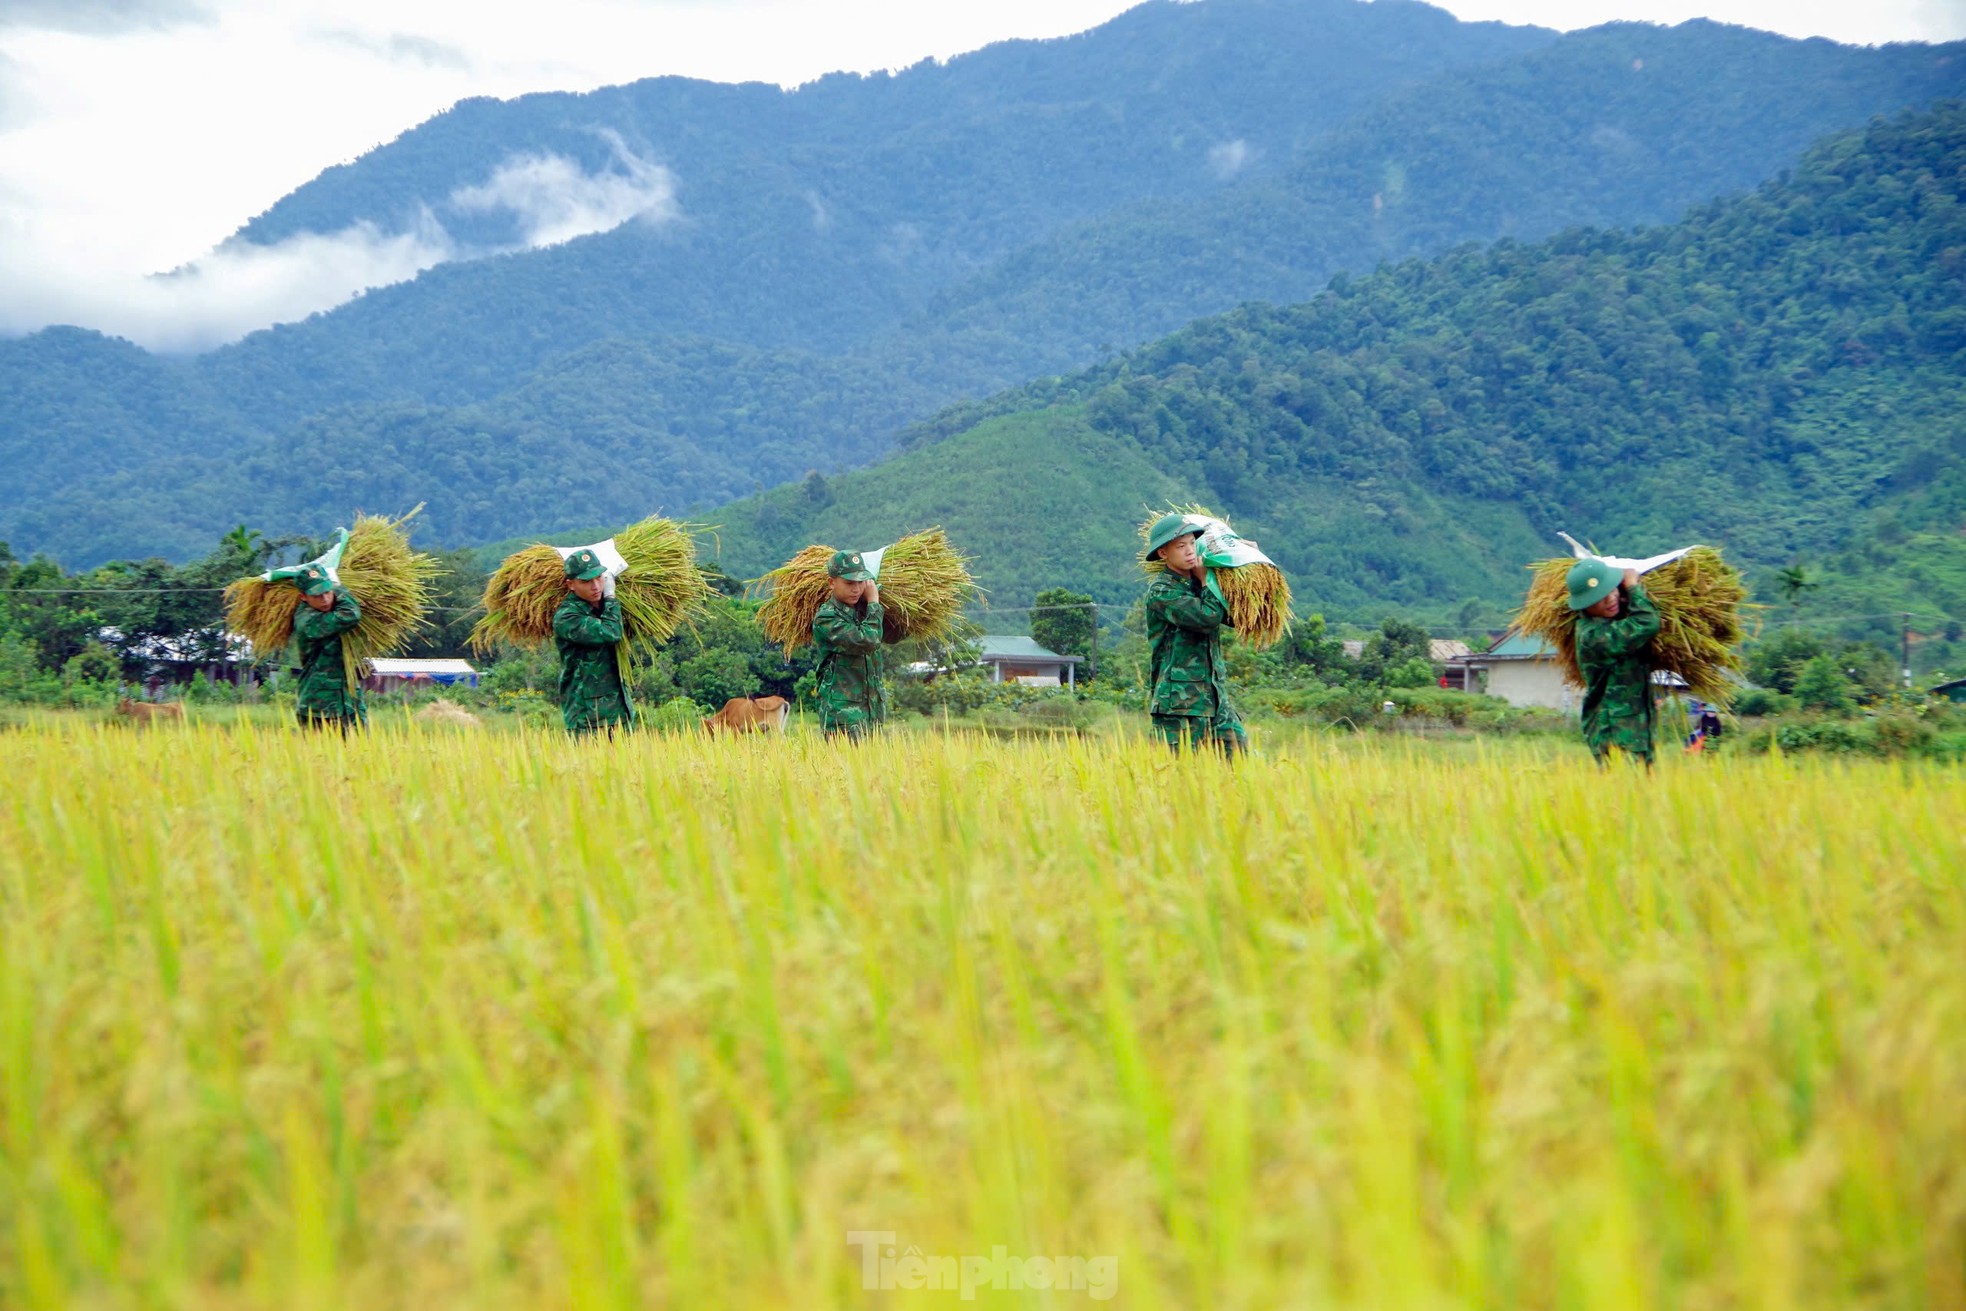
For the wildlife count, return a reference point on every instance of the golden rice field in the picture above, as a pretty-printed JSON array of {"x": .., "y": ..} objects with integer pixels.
[{"x": 432, "y": 1019}]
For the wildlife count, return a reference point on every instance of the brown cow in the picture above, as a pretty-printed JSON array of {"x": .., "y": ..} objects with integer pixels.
[
  {"x": 146, "y": 712},
  {"x": 750, "y": 714}
]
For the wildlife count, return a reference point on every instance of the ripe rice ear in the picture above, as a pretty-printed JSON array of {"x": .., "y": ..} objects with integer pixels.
[
  {"x": 391, "y": 583},
  {"x": 262, "y": 613},
  {"x": 925, "y": 584},
  {"x": 1257, "y": 594},
  {"x": 1701, "y": 601},
  {"x": 661, "y": 590}
]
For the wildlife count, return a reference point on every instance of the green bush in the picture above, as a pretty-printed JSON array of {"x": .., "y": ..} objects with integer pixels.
[
  {"x": 1823, "y": 685},
  {"x": 676, "y": 715},
  {"x": 1757, "y": 702},
  {"x": 529, "y": 705},
  {"x": 715, "y": 676}
]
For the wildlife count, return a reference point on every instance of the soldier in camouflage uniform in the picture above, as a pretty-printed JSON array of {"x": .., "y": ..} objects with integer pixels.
[
  {"x": 1614, "y": 654},
  {"x": 846, "y": 632},
  {"x": 1185, "y": 618},
  {"x": 324, "y": 698},
  {"x": 587, "y": 629}
]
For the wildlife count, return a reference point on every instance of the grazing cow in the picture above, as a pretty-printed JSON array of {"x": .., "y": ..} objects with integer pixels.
[
  {"x": 145, "y": 712},
  {"x": 750, "y": 714}
]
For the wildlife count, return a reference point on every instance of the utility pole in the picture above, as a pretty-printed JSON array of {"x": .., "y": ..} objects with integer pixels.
[
  {"x": 1904, "y": 649},
  {"x": 1092, "y": 666}
]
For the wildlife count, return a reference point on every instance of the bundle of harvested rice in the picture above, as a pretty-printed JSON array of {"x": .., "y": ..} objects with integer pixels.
[
  {"x": 924, "y": 582},
  {"x": 657, "y": 582},
  {"x": 1254, "y": 589},
  {"x": 1700, "y": 598},
  {"x": 447, "y": 714},
  {"x": 391, "y": 582}
]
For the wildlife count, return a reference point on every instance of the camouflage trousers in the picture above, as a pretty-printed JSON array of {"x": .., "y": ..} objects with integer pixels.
[
  {"x": 854, "y": 724},
  {"x": 309, "y": 717},
  {"x": 1608, "y": 753},
  {"x": 1625, "y": 736},
  {"x": 1223, "y": 732}
]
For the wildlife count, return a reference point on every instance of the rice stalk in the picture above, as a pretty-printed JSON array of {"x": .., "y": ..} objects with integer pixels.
[
  {"x": 391, "y": 582},
  {"x": 924, "y": 583},
  {"x": 661, "y": 590},
  {"x": 1700, "y": 599},
  {"x": 1258, "y": 595}
]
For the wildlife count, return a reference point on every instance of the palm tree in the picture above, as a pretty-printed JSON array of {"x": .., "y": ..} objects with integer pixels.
[
  {"x": 1794, "y": 581},
  {"x": 248, "y": 542}
]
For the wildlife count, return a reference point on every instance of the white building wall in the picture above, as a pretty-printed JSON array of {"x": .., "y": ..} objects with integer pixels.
[{"x": 1532, "y": 683}]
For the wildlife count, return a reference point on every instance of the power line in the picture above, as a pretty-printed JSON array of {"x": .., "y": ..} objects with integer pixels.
[{"x": 1921, "y": 616}]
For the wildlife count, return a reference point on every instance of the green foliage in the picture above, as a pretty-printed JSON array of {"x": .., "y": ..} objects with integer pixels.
[
  {"x": 676, "y": 715},
  {"x": 714, "y": 676},
  {"x": 1064, "y": 621},
  {"x": 94, "y": 663},
  {"x": 1416, "y": 671},
  {"x": 1777, "y": 661},
  {"x": 1915, "y": 728},
  {"x": 1394, "y": 654},
  {"x": 20, "y": 668},
  {"x": 518, "y": 670},
  {"x": 1418, "y": 435},
  {"x": 858, "y": 254},
  {"x": 1822, "y": 685},
  {"x": 1759, "y": 702}
]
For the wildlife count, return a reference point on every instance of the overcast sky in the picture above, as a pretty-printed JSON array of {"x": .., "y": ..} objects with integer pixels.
[{"x": 136, "y": 134}]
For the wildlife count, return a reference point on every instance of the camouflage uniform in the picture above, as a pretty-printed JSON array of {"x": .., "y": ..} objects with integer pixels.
[
  {"x": 1614, "y": 655},
  {"x": 593, "y": 694},
  {"x": 852, "y": 697},
  {"x": 1190, "y": 697},
  {"x": 323, "y": 698}
]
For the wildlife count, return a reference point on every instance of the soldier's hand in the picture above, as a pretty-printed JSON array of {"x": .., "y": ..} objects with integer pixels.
[
  {"x": 870, "y": 592},
  {"x": 1631, "y": 578},
  {"x": 607, "y": 587}
]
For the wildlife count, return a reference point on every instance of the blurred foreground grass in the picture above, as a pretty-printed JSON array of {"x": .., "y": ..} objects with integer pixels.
[{"x": 448, "y": 1019}]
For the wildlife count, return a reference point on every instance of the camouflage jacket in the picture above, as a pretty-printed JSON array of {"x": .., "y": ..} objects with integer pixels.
[
  {"x": 1615, "y": 658},
  {"x": 848, "y": 640},
  {"x": 1184, "y": 627},
  {"x": 592, "y": 692},
  {"x": 321, "y": 688}
]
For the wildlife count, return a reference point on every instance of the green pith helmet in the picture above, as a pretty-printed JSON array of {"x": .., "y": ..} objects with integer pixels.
[
  {"x": 1590, "y": 581},
  {"x": 314, "y": 580},
  {"x": 584, "y": 564},
  {"x": 1166, "y": 529},
  {"x": 849, "y": 565}
]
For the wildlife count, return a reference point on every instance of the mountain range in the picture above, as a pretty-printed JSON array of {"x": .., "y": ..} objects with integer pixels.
[{"x": 873, "y": 269}]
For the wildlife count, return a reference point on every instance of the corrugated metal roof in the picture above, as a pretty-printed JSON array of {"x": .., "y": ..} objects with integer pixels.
[
  {"x": 1019, "y": 648},
  {"x": 403, "y": 668},
  {"x": 1519, "y": 646}
]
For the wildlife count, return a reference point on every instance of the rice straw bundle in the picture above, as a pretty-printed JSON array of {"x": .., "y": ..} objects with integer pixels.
[
  {"x": 389, "y": 581},
  {"x": 1699, "y": 598},
  {"x": 924, "y": 582},
  {"x": 1257, "y": 593},
  {"x": 661, "y": 590}
]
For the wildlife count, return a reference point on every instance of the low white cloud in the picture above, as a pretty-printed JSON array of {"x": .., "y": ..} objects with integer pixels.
[
  {"x": 15, "y": 107},
  {"x": 236, "y": 289},
  {"x": 243, "y": 286},
  {"x": 556, "y": 201},
  {"x": 402, "y": 48},
  {"x": 97, "y": 16},
  {"x": 822, "y": 216},
  {"x": 1230, "y": 158}
]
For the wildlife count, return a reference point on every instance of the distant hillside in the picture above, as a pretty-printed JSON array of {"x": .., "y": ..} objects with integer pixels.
[
  {"x": 855, "y": 257},
  {"x": 1782, "y": 375}
]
